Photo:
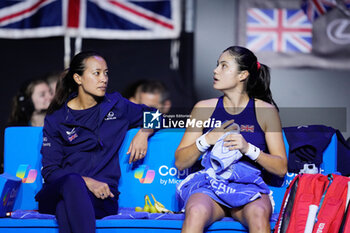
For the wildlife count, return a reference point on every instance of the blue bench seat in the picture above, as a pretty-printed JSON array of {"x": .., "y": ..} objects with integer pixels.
[{"x": 155, "y": 174}]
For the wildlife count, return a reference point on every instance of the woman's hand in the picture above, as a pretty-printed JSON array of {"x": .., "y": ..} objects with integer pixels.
[
  {"x": 236, "y": 142},
  {"x": 213, "y": 136},
  {"x": 138, "y": 146},
  {"x": 99, "y": 189}
]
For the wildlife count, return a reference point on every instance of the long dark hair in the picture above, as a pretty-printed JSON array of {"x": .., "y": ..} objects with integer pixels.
[
  {"x": 22, "y": 104},
  {"x": 258, "y": 83},
  {"x": 66, "y": 85}
]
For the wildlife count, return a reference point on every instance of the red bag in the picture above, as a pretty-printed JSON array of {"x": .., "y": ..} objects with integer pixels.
[
  {"x": 332, "y": 209},
  {"x": 326, "y": 192},
  {"x": 345, "y": 226}
]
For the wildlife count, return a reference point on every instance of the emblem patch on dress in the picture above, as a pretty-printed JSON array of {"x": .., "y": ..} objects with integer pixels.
[
  {"x": 247, "y": 128},
  {"x": 71, "y": 135}
]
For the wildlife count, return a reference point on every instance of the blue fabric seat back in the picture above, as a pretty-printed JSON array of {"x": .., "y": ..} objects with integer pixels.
[
  {"x": 22, "y": 158},
  {"x": 155, "y": 174}
]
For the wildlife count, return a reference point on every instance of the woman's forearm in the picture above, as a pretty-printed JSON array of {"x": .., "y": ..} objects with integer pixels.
[
  {"x": 185, "y": 157},
  {"x": 273, "y": 163}
]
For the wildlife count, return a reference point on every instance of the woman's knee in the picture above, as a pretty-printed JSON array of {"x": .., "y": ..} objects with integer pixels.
[
  {"x": 261, "y": 213},
  {"x": 198, "y": 216},
  {"x": 260, "y": 209},
  {"x": 72, "y": 181},
  {"x": 201, "y": 208},
  {"x": 259, "y": 217},
  {"x": 198, "y": 211}
]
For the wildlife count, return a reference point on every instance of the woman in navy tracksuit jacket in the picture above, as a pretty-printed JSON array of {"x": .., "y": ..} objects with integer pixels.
[{"x": 83, "y": 131}]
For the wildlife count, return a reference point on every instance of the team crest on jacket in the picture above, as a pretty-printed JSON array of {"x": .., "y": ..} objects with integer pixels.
[
  {"x": 110, "y": 116},
  {"x": 247, "y": 128},
  {"x": 71, "y": 135}
]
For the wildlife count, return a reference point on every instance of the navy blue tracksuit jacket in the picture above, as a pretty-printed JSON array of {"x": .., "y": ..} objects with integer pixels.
[{"x": 69, "y": 147}]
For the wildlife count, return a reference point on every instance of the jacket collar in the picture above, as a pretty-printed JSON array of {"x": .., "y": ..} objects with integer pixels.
[{"x": 106, "y": 105}]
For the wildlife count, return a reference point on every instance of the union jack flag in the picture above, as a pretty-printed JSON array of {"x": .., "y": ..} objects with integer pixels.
[
  {"x": 278, "y": 30},
  {"x": 247, "y": 128},
  {"x": 103, "y": 19},
  {"x": 317, "y": 8}
]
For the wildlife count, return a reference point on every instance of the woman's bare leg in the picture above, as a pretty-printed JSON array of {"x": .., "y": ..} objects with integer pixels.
[
  {"x": 201, "y": 211},
  {"x": 255, "y": 215}
]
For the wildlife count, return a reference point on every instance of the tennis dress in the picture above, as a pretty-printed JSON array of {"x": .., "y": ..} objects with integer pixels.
[{"x": 235, "y": 180}]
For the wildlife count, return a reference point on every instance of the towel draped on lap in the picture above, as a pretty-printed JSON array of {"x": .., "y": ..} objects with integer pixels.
[{"x": 225, "y": 179}]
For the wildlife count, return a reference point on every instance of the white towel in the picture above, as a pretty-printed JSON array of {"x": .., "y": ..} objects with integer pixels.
[{"x": 221, "y": 157}]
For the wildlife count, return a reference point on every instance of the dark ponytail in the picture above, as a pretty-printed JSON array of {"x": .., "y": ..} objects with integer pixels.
[
  {"x": 258, "y": 82},
  {"x": 66, "y": 84}
]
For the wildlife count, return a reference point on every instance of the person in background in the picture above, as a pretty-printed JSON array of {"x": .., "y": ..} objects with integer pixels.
[
  {"x": 131, "y": 91},
  {"x": 258, "y": 145},
  {"x": 151, "y": 93},
  {"x": 30, "y": 104},
  {"x": 83, "y": 132},
  {"x": 52, "y": 79}
]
